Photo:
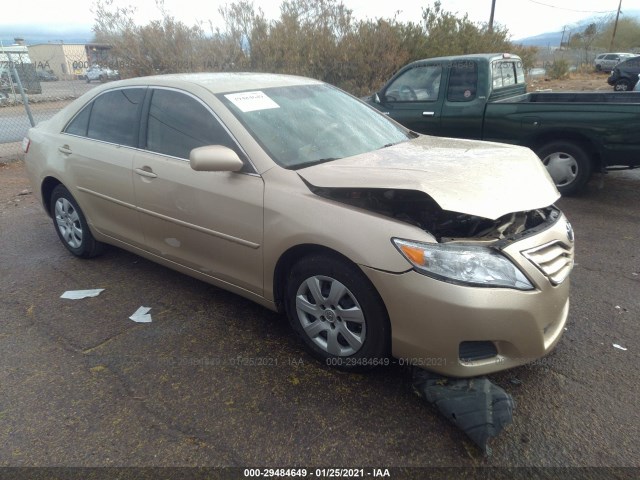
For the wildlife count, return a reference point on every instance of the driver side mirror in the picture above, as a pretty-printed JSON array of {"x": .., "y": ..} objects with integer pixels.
[
  {"x": 215, "y": 158},
  {"x": 376, "y": 98}
]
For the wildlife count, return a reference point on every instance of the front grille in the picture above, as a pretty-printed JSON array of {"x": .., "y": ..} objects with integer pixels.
[{"x": 554, "y": 259}]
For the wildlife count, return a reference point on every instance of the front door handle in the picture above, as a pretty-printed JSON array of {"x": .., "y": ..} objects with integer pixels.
[
  {"x": 428, "y": 114},
  {"x": 65, "y": 149},
  {"x": 146, "y": 172}
]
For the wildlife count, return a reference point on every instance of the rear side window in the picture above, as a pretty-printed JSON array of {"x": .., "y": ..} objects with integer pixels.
[
  {"x": 463, "y": 82},
  {"x": 634, "y": 62},
  {"x": 179, "y": 123},
  {"x": 112, "y": 117}
]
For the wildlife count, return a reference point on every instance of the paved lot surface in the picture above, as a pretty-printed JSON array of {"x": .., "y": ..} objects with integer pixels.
[{"x": 216, "y": 380}]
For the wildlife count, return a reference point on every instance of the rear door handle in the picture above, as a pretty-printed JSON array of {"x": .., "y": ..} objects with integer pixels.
[
  {"x": 146, "y": 172},
  {"x": 65, "y": 149},
  {"x": 428, "y": 114}
]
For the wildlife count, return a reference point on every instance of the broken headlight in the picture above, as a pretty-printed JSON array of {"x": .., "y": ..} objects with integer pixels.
[{"x": 466, "y": 264}]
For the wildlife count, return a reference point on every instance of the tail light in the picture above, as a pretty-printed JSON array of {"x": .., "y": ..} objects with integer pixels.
[{"x": 26, "y": 143}]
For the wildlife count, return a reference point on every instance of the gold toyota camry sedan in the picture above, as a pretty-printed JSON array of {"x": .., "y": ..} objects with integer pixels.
[{"x": 375, "y": 241}]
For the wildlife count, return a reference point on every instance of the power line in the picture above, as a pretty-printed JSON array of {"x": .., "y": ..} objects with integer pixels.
[{"x": 571, "y": 9}]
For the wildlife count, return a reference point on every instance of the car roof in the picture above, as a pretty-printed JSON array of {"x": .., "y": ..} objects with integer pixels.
[
  {"x": 635, "y": 56},
  {"x": 472, "y": 56},
  {"x": 220, "y": 82}
]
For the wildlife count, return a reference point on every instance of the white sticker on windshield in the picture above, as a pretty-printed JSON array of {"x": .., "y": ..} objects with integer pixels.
[{"x": 252, "y": 101}]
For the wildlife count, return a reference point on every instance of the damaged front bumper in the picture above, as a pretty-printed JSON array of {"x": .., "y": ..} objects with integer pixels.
[{"x": 464, "y": 331}]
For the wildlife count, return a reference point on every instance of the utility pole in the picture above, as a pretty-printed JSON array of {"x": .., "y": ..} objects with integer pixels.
[
  {"x": 493, "y": 10},
  {"x": 615, "y": 27}
]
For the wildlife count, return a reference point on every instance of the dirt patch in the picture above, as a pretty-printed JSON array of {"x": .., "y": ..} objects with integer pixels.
[
  {"x": 575, "y": 82},
  {"x": 15, "y": 189}
]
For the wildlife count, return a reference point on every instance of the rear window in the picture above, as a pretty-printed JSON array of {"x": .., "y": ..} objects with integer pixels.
[{"x": 506, "y": 73}]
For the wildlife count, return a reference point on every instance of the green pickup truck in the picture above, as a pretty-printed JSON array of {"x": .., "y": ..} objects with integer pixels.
[{"x": 484, "y": 97}]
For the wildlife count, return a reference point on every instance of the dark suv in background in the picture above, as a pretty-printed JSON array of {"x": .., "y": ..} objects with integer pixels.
[{"x": 625, "y": 75}]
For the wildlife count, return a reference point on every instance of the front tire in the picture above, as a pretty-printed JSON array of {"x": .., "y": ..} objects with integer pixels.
[
  {"x": 71, "y": 225},
  {"x": 568, "y": 164},
  {"x": 338, "y": 314}
]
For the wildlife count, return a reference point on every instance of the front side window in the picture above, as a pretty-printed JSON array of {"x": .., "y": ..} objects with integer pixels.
[
  {"x": 112, "y": 117},
  {"x": 418, "y": 84},
  {"x": 179, "y": 123}
]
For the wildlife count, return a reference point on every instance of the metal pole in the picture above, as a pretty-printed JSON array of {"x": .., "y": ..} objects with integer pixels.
[
  {"x": 493, "y": 11},
  {"x": 615, "y": 27},
  {"x": 25, "y": 99}
]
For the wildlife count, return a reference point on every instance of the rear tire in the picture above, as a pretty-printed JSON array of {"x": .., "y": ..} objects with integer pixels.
[
  {"x": 338, "y": 314},
  {"x": 568, "y": 164},
  {"x": 71, "y": 225},
  {"x": 622, "y": 85}
]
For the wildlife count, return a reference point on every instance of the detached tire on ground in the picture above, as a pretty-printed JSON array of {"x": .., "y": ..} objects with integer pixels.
[
  {"x": 71, "y": 225},
  {"x": 337, "y": 313},
  {"x": 568, "y": 164}
]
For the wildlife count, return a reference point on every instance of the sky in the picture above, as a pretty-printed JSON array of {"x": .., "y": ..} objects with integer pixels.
[{"x": 523, "y": 18}]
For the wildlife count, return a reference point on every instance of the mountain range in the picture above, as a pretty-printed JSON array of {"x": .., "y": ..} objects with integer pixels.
[{"x": 553, "y": 39}]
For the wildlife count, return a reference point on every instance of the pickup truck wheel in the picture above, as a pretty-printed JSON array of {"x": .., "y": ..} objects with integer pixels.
[
  {"x": 337, "y": 313},
  {"x": 568, "y": 164},
  {"x": 622, "y": 85}
]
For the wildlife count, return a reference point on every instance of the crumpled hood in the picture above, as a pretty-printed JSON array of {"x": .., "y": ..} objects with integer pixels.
[{"x": 466, "y": 176}]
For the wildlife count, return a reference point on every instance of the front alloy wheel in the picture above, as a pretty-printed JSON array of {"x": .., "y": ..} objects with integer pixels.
[
  {"x": 330, "y": 315},
  {"x": 337, "y": 312}
]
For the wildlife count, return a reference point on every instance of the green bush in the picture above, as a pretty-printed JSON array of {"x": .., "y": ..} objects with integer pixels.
[{"x": 558, "y": 69}]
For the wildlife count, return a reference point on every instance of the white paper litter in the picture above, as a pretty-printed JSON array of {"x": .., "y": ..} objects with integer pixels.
[
  {"x": 141, "y": 315},
  {"x": 615, "y": 345},
  {"x": 80, "y": 294}
]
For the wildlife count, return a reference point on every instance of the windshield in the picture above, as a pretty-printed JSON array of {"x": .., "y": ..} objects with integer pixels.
[{"x": 307, "y": 124}]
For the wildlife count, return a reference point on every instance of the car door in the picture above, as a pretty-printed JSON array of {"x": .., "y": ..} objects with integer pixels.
[
  {"x": 210, "y": 222},
  {"x": 413, "y": 98},
  {"x": 97, "y": 149}
]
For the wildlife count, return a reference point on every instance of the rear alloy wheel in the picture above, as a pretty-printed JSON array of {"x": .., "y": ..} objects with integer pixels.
[
  {"x": 338, "y": 314},
  {"x": 71, "y": 225},
  {"x": 622, "y": 85},
  {"x": 568, "y": 164}
]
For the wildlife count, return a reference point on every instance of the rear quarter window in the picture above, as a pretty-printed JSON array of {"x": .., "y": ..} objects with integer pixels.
[{"x": 112, "y": 117}]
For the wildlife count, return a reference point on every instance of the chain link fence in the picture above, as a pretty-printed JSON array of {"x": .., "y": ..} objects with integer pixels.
[{"x": 39, "y": 80}]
